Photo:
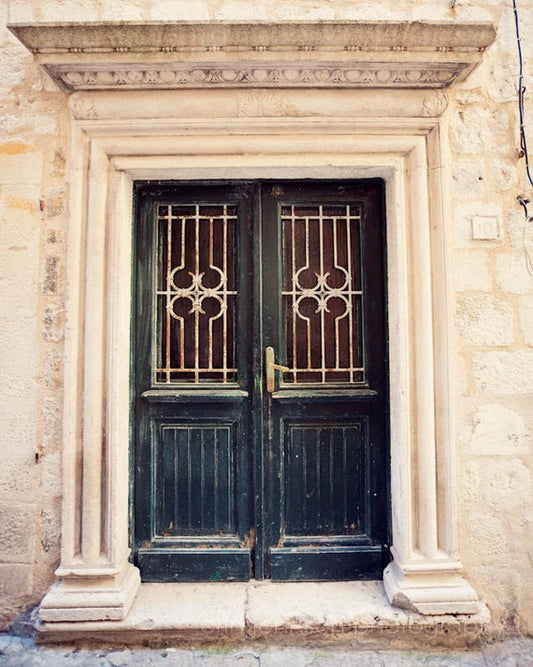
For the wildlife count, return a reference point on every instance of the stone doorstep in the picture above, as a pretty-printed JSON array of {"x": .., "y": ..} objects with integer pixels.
[{"x": 257, "y": 612}]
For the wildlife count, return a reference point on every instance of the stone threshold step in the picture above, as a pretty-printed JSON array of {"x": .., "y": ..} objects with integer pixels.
[{"x": 285, "y": 613}]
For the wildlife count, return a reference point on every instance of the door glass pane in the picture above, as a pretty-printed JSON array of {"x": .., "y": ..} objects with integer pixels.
[
  {"x": 195, "y": 308},
  {"x": 323, "y": 293}
]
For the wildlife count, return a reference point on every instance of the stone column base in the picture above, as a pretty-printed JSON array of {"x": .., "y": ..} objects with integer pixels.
[
  {"x": 91, "y": 596},
  {"x": 430, "y": 588}
]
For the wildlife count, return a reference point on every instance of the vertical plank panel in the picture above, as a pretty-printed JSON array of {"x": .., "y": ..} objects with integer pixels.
[
  {"x": 195, "y": 481},
  {"x": 324, "y": 479}
]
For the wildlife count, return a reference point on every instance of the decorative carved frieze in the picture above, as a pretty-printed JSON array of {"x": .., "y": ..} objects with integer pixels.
[
  {"x": 345, "y": 54},
  {"x": 335, "y": 75}
]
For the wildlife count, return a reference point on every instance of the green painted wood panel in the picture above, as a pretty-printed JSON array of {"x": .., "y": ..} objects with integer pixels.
[
  {"x": 232, "y": 481},
  {"x": 325, "y": 480},
  {"x": 195, "y": 479}
]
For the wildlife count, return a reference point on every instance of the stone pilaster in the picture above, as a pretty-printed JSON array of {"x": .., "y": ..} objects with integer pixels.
[{"x": 96, "y": 581}]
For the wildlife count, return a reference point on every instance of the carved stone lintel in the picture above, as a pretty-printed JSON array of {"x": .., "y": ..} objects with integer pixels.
[{"x": 295, "y": 54}]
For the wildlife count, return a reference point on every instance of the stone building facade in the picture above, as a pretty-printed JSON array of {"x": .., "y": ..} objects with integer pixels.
[{"x": 435, "y": 115}]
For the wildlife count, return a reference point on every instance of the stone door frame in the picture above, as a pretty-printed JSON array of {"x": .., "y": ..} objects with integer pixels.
[
  {"x": 96, "y": 579},
  {"x": 223, "y": 101}
]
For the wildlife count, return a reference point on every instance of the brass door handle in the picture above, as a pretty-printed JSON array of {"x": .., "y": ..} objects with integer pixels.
[{"x": 270, "y": 367}]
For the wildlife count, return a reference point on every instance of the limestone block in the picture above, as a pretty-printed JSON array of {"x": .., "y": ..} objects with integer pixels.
[
  {"x": 19, "y": 165},
  {"x": 19, "y": 354},
  {"x": 51, "y": 479},
  {"x": 471, "y": 271},
  {"x": 58, "y": 163},
  {"x": 488, "y": 535},
  {"x": 46, "y": 125},
  {"x": 15, "y": 124},
  {"x": 507, "y": 486},
  {"x": 515, "y": 222},
  {"x": 54, "y": 202},
  {"x": 17, "y": 409},
  {"x": 505, "y": 174},
  {"x": 512, "y": 274},
  {"x": 466, "y": 131},
  {"x": 526, "y": 318},
  {"x": 468, "y": 179},
  {"x": 3, "y": 16},
  {"x": 137, "y": 10},
  {"x": 285, "y": 11},
  {"x": 21, "y": 11},
  {"x": 16, "y": 533},
  {"x": 52, "y": 375},
  {"x": 475, "y": 130},
  {"x": 51, "y": 274},
  {"x": 484, "y": 320},
  {"x": 19, "y": 201},
  {"x": 469, "y": 11},
  {"x": 14, "y": 62},
  {"x": 525, "y": 604},
  {"x": 15, "y": 580},
  {"x": 51, "y": 530},
  {"x": 19, "y": 247},
  {"x": 166, "y": 9},
  {"x": 507, "y": 31},
  {"x": 51, "y": 423},
  {"x": 499, "y": 132},
  {"x": 18, "y": 477},
  {"x": 498, "y": 431},
  {"x": 66, "y": 10},
  {"x": 504, "y": 373},
  {"x": 54, "y": 236},
  {"x": 494, "y": 583},
  {"x": 502, "y": 85},
  {"x": 18, "y": 281},
  {"x": 467, "y": 96},
  {"x": 471, "y": 481},
  {"x": 53, "y": 323}
]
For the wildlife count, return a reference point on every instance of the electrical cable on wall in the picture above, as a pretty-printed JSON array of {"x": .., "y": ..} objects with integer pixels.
[{"x": 523, "y": 152}]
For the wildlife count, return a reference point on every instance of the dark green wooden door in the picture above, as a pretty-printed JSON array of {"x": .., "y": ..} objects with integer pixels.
[{"x": 260, "y": 398}]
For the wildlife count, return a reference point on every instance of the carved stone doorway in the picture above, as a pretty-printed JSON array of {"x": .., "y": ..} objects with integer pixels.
[{"x": 244, "y": 112}]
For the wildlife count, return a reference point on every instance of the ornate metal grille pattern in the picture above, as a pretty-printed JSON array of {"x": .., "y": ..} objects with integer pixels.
[
  {"x": 195, "y": 308},
  {"x": 323, "y": 293}
]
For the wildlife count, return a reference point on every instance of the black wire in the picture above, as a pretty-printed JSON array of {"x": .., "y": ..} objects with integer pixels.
[
  {"x": 521, "y": 90},
  {"x": 523, "y": 141}
]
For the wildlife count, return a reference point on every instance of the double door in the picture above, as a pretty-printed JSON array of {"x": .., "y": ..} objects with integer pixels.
[{"x": 259, "y": 402}]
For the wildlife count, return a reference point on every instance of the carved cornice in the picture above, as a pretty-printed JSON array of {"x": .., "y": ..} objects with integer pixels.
[{"x": 259, "y": 55}]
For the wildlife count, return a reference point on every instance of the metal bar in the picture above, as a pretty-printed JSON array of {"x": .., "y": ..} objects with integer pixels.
[
  {"x": 196, "y": 311},
  {"x": 322, "y": 311},
  {"x": 351, "y": 359},
  {"x": 225, "y": 271},
  {"x": 167, "y": 313}
]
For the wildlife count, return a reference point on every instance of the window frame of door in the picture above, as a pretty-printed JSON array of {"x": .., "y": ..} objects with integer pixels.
[{"x": 97, "y": 581}]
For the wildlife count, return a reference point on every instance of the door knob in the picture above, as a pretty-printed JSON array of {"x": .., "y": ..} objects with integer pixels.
[{"x": 270, "y": 367}]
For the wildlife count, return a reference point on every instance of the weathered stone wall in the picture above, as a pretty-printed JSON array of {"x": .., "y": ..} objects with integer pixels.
[{"x": 493, "y": 292}]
